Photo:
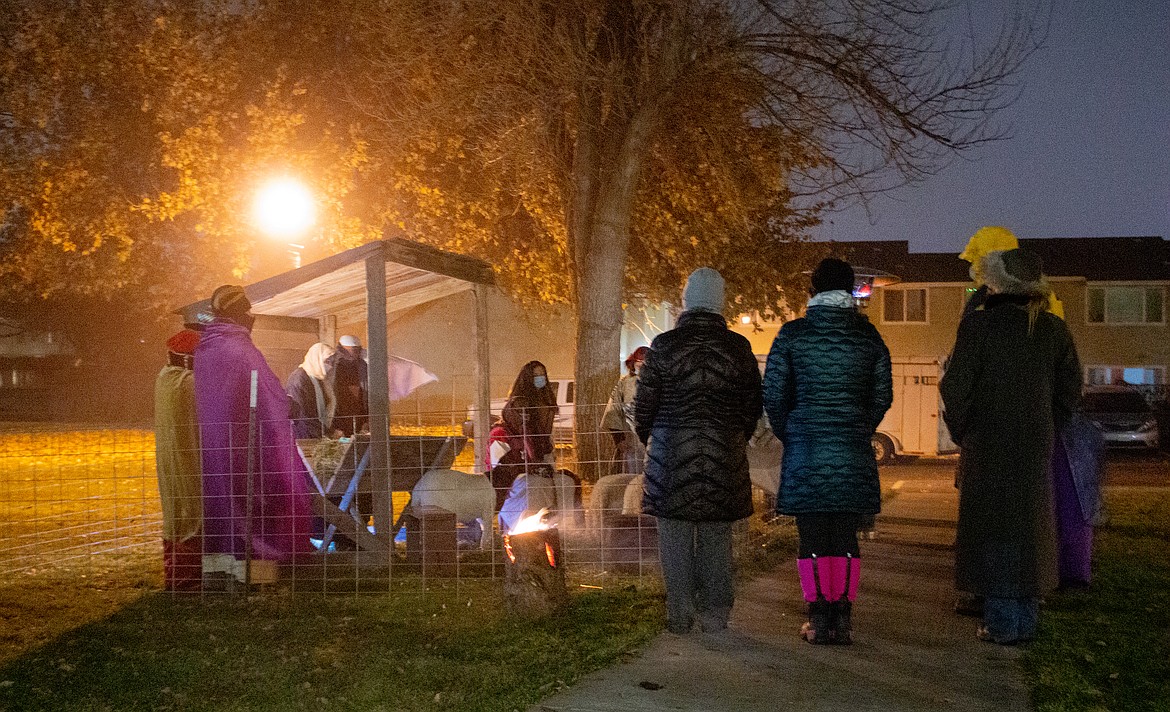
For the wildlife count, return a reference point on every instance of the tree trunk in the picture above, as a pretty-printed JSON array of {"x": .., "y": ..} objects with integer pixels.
[
  {"x": 600, "y": 263},
  {"x": 599, "y": 328}
]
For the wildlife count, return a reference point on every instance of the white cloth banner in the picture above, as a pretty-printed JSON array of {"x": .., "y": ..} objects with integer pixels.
[{"x": 406, "y": 376}]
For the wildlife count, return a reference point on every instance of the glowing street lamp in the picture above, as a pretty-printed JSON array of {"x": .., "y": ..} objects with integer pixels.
[{"x": 284, "y": 209}]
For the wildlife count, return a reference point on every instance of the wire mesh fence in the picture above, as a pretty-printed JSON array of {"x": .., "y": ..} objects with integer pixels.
[
  {"x": 75, "y": 500},
  {"x": 199, "y": 510}
]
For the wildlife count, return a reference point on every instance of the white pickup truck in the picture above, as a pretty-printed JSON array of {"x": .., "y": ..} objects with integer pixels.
[{"x": 566, "y": 389}]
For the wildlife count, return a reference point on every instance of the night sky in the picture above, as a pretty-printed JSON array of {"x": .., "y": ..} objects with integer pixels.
[{"x": 1089, "y": 154}]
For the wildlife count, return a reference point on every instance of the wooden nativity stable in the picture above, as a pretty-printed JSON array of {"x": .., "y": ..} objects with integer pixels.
[{"x": 370, "y": 283}]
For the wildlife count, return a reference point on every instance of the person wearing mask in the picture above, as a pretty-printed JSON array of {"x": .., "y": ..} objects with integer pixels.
[
  {"x": 312, "y": 402},
  {"x": 698, "y": 403},
  {"x": 540, "y": 396},
  {"x": 348, "y": 379},
  {"x": 827, "y": 385},
  {"x": 1013, "y": 381},
  {"x": 618, "y": 418},
  {"x": 510, "y": 447},
  {"x": 177, "y": 464},
  {"x": 281, "y": 515}
]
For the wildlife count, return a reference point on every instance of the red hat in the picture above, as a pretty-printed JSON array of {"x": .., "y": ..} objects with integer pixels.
[
  {"x": 183, "y": 342},
  {"x": 638, "y": 356}
]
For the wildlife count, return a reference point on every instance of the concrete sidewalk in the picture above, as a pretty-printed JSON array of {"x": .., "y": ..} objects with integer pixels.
[{"x": 911, "y": 651}]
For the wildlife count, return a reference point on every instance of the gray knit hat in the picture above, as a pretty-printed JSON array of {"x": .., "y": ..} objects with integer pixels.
[
  {"x": 1015, "y": 271},
  {"x": 704, "y": 291}
]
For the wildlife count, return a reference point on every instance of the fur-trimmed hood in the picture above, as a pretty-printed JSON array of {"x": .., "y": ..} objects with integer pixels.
[{"x": 1014, "y": 272}]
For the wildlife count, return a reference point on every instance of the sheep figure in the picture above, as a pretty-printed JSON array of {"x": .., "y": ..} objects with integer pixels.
[
  {"x": 632, "y": 496},
  {"x": 607, "y": 498},
  {"x": 470, "y": 497}
]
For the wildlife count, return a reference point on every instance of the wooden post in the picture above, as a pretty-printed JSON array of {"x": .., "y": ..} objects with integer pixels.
[
  {"x": 534, "y": 574},
  {"x": 376, "y": 347},
  {"x": 250, "y": 498},
  {"x": 483, "y": 381},
  {"x": 327, "y": 329}
]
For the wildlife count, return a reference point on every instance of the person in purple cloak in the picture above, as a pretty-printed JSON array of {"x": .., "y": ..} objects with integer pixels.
[{"x": 224, "y": 360}]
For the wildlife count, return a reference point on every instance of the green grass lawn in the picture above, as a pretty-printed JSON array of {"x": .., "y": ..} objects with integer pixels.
[
  {"x": 447, "y": 649},
  {"x": 91, "y": 632},
  {"x": 1108, "y": 648},
  {"x": 84, "y": 627}
]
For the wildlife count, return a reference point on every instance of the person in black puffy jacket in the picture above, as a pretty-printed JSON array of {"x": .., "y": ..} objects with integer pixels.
[
  {"x": 827, "y": 385},
  {"x": 698, "y": 401}
]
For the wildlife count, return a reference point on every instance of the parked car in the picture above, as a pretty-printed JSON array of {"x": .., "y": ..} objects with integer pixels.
[
  {"x": 1123, "y": 416},
  {"x": 566, "y": 389}
]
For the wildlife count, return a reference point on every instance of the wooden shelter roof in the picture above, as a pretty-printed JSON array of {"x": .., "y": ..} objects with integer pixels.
[{"x": 415, "y": 274}]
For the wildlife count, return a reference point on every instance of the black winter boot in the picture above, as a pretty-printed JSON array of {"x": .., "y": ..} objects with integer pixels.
[
  {"x": 819, "y": 625},
  {"x": 842, "y": 623}
]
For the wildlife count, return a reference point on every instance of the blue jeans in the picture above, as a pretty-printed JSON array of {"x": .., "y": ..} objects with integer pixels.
[
  {"x": 1011, "y": 620},
  {"x": 696, "y": 565}
]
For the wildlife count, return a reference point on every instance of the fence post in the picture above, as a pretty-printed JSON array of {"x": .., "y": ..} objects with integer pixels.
[{"x": 251, "y": 483}]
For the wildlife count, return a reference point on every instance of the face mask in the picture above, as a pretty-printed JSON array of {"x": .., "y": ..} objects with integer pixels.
[{"x": 540, "y": 381}]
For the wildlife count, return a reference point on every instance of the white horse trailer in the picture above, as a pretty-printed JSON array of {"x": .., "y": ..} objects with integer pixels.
[{"x": 914, "y": 424}]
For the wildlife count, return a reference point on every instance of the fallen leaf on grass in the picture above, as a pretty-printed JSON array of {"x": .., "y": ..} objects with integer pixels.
[{"x": 647, "y": 685}]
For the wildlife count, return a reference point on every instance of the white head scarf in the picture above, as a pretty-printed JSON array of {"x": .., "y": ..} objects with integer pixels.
[{"x": 314, "y": 363}]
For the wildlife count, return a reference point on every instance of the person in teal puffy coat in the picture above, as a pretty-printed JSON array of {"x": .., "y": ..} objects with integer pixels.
[{"x": 827, "y": 385}]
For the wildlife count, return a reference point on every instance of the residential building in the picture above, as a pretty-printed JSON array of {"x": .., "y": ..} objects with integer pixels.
[
  {"x": 33, "y": 364},
  {"x": 1114, "y": 292}
]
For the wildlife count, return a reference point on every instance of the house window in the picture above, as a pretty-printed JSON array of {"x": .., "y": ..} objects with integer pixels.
[
  {"x": 1119, "y": 375},
  {"x": 18, "y": 378},
  {"x": 904, "y": 306},
  {"x": 1125, "y": 305}
]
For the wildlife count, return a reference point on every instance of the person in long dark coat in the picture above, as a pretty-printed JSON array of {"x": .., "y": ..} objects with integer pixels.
[
  {"x": 311, "y": 402},
  {"x": 697, "y": 404},
  {"x": 827, "y": 386},
  {"x": 347, "y": 378},
  {"x": 1013, "y": 380}
]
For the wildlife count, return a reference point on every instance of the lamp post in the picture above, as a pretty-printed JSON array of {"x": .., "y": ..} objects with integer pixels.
[{"x": 284, "y": 210}]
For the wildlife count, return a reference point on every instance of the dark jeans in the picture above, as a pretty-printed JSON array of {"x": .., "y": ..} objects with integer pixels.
[
  {"x": 1010, "y": 620},
  {"x": 696, "y": 565}
]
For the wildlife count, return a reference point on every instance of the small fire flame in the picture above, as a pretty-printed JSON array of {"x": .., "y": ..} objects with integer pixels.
[
  {"x": 528, "y": 525},
  {"x": 531, "y": 524}
]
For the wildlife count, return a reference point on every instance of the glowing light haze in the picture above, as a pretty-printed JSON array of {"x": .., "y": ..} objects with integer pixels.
[{"x": 284, "y": 209}]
